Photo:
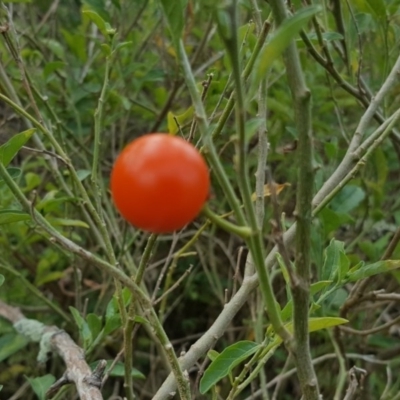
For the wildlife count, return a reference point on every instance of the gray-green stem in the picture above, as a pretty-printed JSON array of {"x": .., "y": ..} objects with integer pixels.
[
  {"x": 115, "y": 272},
  {"x": 301, "y": 286}
]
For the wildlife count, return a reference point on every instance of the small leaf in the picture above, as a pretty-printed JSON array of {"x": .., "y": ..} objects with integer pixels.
[
  {"x": 378, "y": 8},
  {"x": 181, "y": 119},
  {"x": 84, "y": 330},
  {"x": 95, "y": 324},
  {"x": 55, "y": 47},
  {"x": 41, "y": 384},
  {"x": 83, "y": 174},
  {"x": 334, "y": 257},
  {"x": 225, "y": 362},
  {"x": 318, "y": 286},
  {"x": 278, "y": 187},
  {"x": 10, "y": 149},
  {"x": 112, "y": 324},
  {"x": 279, "y": 42},
  {"x": 67, "y": 222},
  {"x": 106, "y": 49},
  {"x": 98, "y": 21},
  {"x": 212, "y": 354},
  {"x": 122, "y": 45},
  {"x": 49, "y": 277},
  {"x": 32, "y": 181},
  {"x": 77, "y": 317},
  {"x": 317, "y": 324},
  {"x": 119, "y": 370},
  {"x": 174, "y": 12},
  {"x": 51, "y": 67},
  {"x": 12, "y": 216},
  {"x": 364, "y": 271},
  {"x": 140, "y": 320},
  {"x": 10, "y": 343},
  {"x": 348, "y": 199}
]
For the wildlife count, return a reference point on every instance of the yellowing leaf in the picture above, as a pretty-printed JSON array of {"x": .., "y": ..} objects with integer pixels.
[
  {"x": 175, "y": 120},
  {"x": 278, "y": 187}
]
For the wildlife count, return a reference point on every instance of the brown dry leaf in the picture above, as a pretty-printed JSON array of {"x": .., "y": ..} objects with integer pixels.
[{"x": 267, "y": 190}]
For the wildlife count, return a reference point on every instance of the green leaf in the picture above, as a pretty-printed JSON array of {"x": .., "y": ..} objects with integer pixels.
[
  {"x": 76, "y": 43},
  {"x": 106, "y": 49},
  {"x": 332, "y": 220},
  {"x": 77, "y": 317},
  {"x": 225, "y": 362},
  {"x": 364, "y": 271},
  {"x": 95, "y": 324},
  {"x": 50, "y": 201},
  {"x": 317, "y": 324},
  {"x": 378, "y": 8},
  {"x": 140, "y": 320},
  {"x": 122, "y": 45},
  {"x": 112, "y": 324},
  {"x": 56, "y": 47},
  {"x": 13, "y": 172},
  {"x": 328, "y": 36},
  {"x": 67, "y": 222},
  {"x": 287, "y": 311},
  {"x": 83, "y": 174},
  {"x": 279, "y": 42},
  {"x": 212, "y": 354},
  {"x": 348, "y": 199},
  {"x": 32, "y": 181},
  {"x": 12, "y": 216},
  {"x": 49, "y": 277},
  {"x": 181, "y": 119},
  {"x": 119, "y": 370},
  {"x": 174, "y": 13},
  {"x": 10, "y": 343},
  {"x": 103, "y": 26},
  {"x": 2, "y": 279},
  {"x": 51, "y": 67},
  {"x": 10, "y": 149},
  {"x": 318, "y": 286},
  {"x": 41, "y": 384},
  {"x": 336, "y": 262},
  {"x": 84, "y": 330}
]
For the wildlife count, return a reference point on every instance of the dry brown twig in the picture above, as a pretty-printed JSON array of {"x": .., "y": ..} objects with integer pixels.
[{"x": 51, "y": 338}]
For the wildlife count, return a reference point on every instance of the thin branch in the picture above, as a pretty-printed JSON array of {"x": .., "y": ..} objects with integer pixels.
[
  {"x": 301, "y": 285},
  {"x": 50, "y": 337}
]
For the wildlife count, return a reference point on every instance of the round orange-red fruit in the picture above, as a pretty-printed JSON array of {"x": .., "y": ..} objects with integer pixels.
[{"x": 159, "y": 183}]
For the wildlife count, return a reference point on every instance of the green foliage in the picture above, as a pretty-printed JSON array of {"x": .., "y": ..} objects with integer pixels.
[
  {"x": 280, "y": 41},
  {"x": 224, "y": 363},
  {"x": 9, "y": 149},
  {"x": 346, "y": 55},
  {"x": 174, "y": 13},
  {"x": 41, "y": 384},
  {"x": 10, "y": 343}
]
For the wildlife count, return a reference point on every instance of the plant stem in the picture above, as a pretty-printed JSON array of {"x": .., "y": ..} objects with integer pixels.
[
  {"x": 246, "y": 73},
  {"x": 242, "y": 231},
  {"x": 255, "y": 242},
  {"x": 301, "y": 285},
  {"x": 35, "y": 291},
  {"x": 98, "y": 119},
  {"x": 115, "y": 272},
  {"x": 210, "y": 150}
]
